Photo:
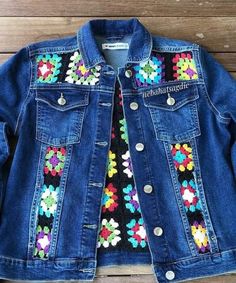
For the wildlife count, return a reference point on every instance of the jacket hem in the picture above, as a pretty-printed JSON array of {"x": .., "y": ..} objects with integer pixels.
[
  {"x": 124, "y": 257},
  {"x": 74, "y": 269},
  {"x": 198, "y": 267},
  {"x": 17, "y": 269}
]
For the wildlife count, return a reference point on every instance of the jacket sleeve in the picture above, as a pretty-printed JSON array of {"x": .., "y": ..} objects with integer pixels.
[
  {"x": 14, "y": 88},
  {"x": 220, "y": 87}
]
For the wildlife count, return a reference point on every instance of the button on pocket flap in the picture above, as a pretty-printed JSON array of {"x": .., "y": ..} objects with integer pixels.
[
  {"x": 60, "y": 115},
  {"x": 174, "y": 114},
  {"x": 171, "y": 100},
  {"x": 63, "y": 99}
]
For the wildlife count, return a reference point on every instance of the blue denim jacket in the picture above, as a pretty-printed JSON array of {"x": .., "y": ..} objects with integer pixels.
[{"x": 82, "y": 107}]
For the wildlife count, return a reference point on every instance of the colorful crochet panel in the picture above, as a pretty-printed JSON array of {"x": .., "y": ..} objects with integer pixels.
[
  {"x": 49, "y": 194},
  {"x": 184, "y": 165},
  {"x": 165, "y": 66},
  {"x": 68, "y": 67},
  {"x": 122, "y": 226},
  {"x": 161, "y": 67}
]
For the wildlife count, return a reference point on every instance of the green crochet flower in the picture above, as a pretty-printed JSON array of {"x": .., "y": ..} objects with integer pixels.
[{"x": 123, "y": 129}]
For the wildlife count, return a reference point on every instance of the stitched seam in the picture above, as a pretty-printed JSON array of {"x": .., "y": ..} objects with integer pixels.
[
  {"x": 57, "y": 49},
  {"x": 174, "y": 180},
  {"x": 211, "y": 105},
  {"x": 28, "y": 94}
]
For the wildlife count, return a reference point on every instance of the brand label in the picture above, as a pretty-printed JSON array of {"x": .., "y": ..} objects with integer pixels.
[
  {"x": 116, "y": 45},
  {"x": 166, "y": 89}
]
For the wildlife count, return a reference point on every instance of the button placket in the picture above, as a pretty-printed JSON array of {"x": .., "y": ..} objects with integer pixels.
[
  {"x": 139, "y": 146},
  {"x": 147, "y": 189},
  {"x": 133, "y": 105},
  {"x": 158, "y": 231}
]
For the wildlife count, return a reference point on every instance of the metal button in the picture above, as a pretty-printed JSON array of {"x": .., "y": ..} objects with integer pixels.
[
  {"x": 139, "y": 146},
  {"x": 170, "y": 275},
  {"x": 61, "y": 100},
  {"x": 147, "y": 189},
  {"x": 170, "y": 100},
  {"x": 128, "y": 73},
  {"x": 134, "y": 105},
  {"x": 158, "y": 231}
]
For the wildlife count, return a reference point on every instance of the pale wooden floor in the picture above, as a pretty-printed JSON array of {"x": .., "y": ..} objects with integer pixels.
[{"x": 210, "y": 23}]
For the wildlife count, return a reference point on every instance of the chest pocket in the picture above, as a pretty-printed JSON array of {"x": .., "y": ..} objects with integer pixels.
[
  {"x": 174, "y": 114},
  {"x": 60, "y": 115}
]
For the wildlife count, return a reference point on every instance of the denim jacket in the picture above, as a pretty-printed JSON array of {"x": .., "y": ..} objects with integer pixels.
[{"x": 125, "y": 154}]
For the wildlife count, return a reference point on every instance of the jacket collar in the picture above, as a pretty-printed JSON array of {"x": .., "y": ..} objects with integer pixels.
[{"x": 139, "y": 48}]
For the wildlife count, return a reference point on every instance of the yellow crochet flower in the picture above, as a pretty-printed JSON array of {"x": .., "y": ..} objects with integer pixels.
[
  {"x": 177, "y": 146},
  {"x": 199, "y": 235},
  {"x": 83, "y": 70},
  {"x": 187, "y": 148},
  {"x": 188, "y": 164},
  {"x": 110, "y": 201},
  {"x": 108, "y": 192},
  {"x": 111, "y": 164}
]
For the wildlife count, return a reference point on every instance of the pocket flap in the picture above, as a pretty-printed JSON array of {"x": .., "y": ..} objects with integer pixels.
[
  {"x": 72, "y": 98},
  {"x": 154, "y": 97}
]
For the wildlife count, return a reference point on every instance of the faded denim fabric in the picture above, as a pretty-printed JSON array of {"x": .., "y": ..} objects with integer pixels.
[{"x": 57, "y": 97}]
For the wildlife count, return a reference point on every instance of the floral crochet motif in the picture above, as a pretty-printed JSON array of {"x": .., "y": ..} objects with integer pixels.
[
  {"x": 184, "y": 67},
  {"x": 131, "y": 198},
  {"x": 137, "y": 233},
  {"x": 109, "y": 198},
  {"x": 77, "y": 73},
  {"x": 109, "y": 233},
  {"x": 123, "y": 129},
  {"x": 127, "y": 163},
  {"x": 43, "y": 238},
  {"x": 200, "y": 236},
  {"x": 184, "y": 165},
  {"x": 190, "y": 196},
  {"x": 54, "y": 160},
  {"x": 111, "y": 164},
  {"x": 48, "y": 68},
  {"x": 120, "y": 201},
  {"x": 151, "y": 71},
  {"x": 48, "y": 202},
  {"x": 182, "y": 157}
]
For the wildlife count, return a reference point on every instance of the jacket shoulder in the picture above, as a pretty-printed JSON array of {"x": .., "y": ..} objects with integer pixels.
[
  {"x": 167, "y": 43},
  {"x": 66, "y": 43}
]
